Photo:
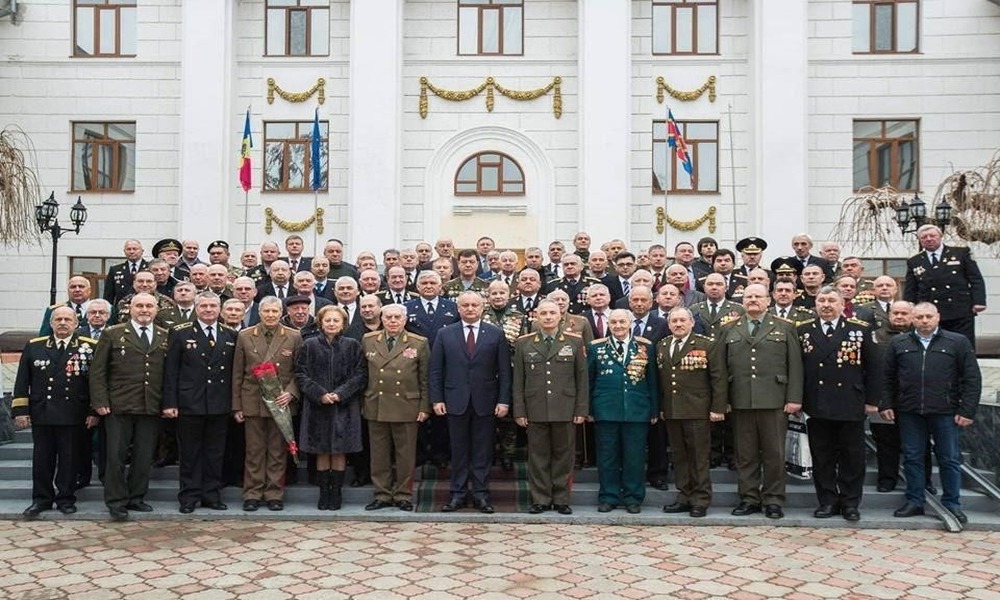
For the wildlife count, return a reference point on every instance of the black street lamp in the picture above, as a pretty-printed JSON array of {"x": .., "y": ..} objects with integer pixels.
[
  {"x": 916, "y": 212},
  {"x": 47, "y": 218}
]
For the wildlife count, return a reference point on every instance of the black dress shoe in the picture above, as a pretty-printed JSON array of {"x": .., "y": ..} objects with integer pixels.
[
  {"x": 698, "y": 511},
  {"x": 908, "y": 510},
  {"x": 275, "y": 505},
  {"x": 773, "y": 511},
  {"x": 118, "y": 513},
  {"x": 217, "y": 505},
  {"x": 745, "y": 508},
  {"x": 377, "y": 505},
  {"x": 251, "y": 505},
  {"x": 485, "y": 507},
  {"x": 140, "y": 507},
  {"x": 959, "y": 515},
  {"x": 675, "y": 508},
  {"x": 361, "y": 481},
  {"x": 563, "y": 509},
  {"x": 537, "y": 509},
  {"x": 660, "y": 484},
  {"x": 67, "y": 509},
  {"x": 633, "y": 509},
  {"x": 605, "y": 507},
  {"x": 405, "y": 505},
  {"x": 36, "y": 509},
  {"x": 826, "y": 511},
  {"x": 506, "y": 464},
  {"x": 851, "y": 513},
  {"x": 886, "y": 487},
  {"x": 453, "y": 505},
  {"x": 186, "y": 509}
]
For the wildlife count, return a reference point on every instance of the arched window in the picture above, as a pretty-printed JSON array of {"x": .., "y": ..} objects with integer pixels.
[{"x": 489, "y": 174}]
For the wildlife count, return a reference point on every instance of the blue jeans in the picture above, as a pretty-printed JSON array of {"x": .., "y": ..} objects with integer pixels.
[{"x": 914, "y": 430}]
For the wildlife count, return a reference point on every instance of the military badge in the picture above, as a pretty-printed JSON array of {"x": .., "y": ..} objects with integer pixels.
[
  {"x": 410, "y": 353},
  {"x": 566, "y": 350}
]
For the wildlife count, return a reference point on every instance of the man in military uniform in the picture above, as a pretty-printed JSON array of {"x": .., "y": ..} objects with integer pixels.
[
  {"x": 78, "y": 298},
  {"x": 884, "y": 291},
  {"x": 949, "y": 278},
  {"x": 51, "y": 396},
  {"x": 129, "y": 360},
  {"x": 144, "y": 282},
  {"x": 853, "y": 267},
  {"x": 161, "y": 273},
  {"x": 764, "y": 360},
  {"x": 573, "y": 282},
  {"x": 569, "y": 323},
  {"x": 395, "y": 404},
  {"x": 715, "y": 311},
  {"x": 169, "y": 250},
  {"x": 842, "y": 369},
  {"x": 218, "y": 254},
  {"x": 219, "y": 281},
  {"x": 786, "y": 268},
  {"x": 197, "y": 391},
  {"x": 784, "y": 295},
  {"x": 811, "y": 277},
  {"x": 269, "y": 252},
  {"x": 396, "y": 291},
  {"x": 846, "y": 286},
  {"x": 466, "y": 279},
  {"x": 751, "y": 251},
  {"x": 551, "y": 394},
  {"x": 694, "y": 393},
  {"x": 118, "y": 282},
  {"x": 505, "y": 314},
  {"x": 724, "y": 262}
]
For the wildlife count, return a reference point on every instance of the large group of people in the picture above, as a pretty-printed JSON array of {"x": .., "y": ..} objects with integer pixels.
[{"x": 625, "y": 360}]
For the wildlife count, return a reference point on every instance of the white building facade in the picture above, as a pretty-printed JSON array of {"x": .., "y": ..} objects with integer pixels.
[{"x": 138, "y": 107}]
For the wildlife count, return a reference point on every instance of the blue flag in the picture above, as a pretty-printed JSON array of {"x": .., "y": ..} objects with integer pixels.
[{"x": 314, "y": 155}]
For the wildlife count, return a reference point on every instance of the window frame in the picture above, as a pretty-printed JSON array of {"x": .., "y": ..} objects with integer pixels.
[
  {"x": 114, "y": 6},
  {"x": 115, "y": 158},
  {"x": 674, "y": 5},
  {"x": 288, "y": 9},
  {"x": 307, "y": 157},
  {"x": 872, "y": 46},
  {"x": 494, "y": 5},
  {"x": 693, "y": 147},
  {"x": 873, "y": 143},
  {"x": 501, "y": 181},
  {"x": 96, "y": 278}
]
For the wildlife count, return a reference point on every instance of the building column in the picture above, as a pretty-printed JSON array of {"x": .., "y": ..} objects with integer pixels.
[
  {"x": 605, "y": 31},
  {"x": 374, "y": 145},
  {"x": 779, "y": 99},
  {"x": 208, "y": 144}
]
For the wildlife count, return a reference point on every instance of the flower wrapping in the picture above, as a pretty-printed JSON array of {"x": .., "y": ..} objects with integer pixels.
[{"x": 266, "y": 374}]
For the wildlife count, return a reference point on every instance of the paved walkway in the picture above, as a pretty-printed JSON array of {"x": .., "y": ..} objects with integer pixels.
[{"x": 276, "y": 560}]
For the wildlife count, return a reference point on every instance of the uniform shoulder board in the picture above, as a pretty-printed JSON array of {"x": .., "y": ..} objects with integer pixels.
[
  {"x": 86, "y": 339},
  {"x": 414, "y": 336},
  {"x": 599, "y": 341},
  {"x": 525, "y": 336},
  {"x": 858, "y": 321},
  {"x": 57, "y": 305},
  {"x": 373, "y": 334},
  {"x": 225, "y": 327},
  {"x": 699, "y": 336},
  {"x": 639, "y": 338},
  {"x": 184, "y": 325},
  {"x": 800, "y": 323},
  {"x": 40, "y": 338}
]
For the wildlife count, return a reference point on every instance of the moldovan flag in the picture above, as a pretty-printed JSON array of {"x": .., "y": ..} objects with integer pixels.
[{"x": 245, "y": 155}]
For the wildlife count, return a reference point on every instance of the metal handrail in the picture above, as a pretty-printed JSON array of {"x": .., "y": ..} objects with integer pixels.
[{"x": 988, "y": 487}]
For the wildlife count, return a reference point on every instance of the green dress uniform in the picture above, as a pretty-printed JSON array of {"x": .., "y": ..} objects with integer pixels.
[
  {"x": 456, "y": 286},
  {"x": 574, "y": 324},
  {"x": 551, "y": 387},
  {"x": 126, "y": 376},
  {"x": 693, "y": 382},
  {"x": 765, "y": 373},
  {"x": 397, "y": 392},
  {"x": 623, "y": 400}
]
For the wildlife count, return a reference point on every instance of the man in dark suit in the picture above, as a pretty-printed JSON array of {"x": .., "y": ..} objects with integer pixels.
[
  {"x": 618, "y": 282},
  {"x": 470, "y": 383},
  {"x": 197, "y": 391},
  {"x": 320, "y": 269},
  {"x": 573, "y": 282},
  {"x": 784, "y": 295},
  {"x": 723, "y": 262},
  {"x": 78, "y": 298},
  {"x": 802, "y": 244},
  {"x": 295, "y": 261},
  {"x": 98, "y": 314},
  {"x": 553, "y": 270},
  {"x": 346, "y": 293},
  {"x": 51, "y": 396},
  {"x": 129, "y": 359},
  {"x": 118, "y": 282},
  {"x": 846, "y": 286},
  {"x": 484, "y": 246},
  {"x": 245, "y": 291},
  {"x": 842, "y": 367},
  {"x": 949, "y": 278},
  {"x": 279, "y": 284}
]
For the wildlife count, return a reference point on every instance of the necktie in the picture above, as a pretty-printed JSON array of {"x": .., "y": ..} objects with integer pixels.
[
  {"x": 784, "y": 313},
  {"x": 62, "y": 345},
  {"x": 637, "y": 328},
  {"x": 599, "y": 321},
  {"x": 211, "y": 338},
  {"x": 528, "y": 305},
  {"x": 294, "y": 266},
  {"x": 134, "y": 268},
  {"x": 555, "y": 270},
  {"x": 268, "y": 335},
  {"x": 281, "y": 292},
  {"x": 390, "y": 341},
  {"x": 621, "y": 348},
  {"x": 144, "y": 338},
  {"x": 626, "y": 288},
  {"x": 409, "y": 279},
  {"x": 934, "y": 259},
  {"x": 657, "y": 280},
  {"x": 79, "y": 312},
  {"x": 829, "y": 328},
  {"x": 430, "y": 308},
  {"x": 319, "y": 289},
  {"x": 548, "y": 343},
  {"x": 676, "y": 349},
  {"x": 186, "y": 313},
  {"x": 470, "y": 341},
  {"x": 713, "y": 312},
  {"x": 96, "y": 333},
  {"x": 399, "y": 298},
  {"x": 754, "y": 327}
]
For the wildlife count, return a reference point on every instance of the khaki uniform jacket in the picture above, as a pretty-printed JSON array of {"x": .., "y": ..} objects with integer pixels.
[
  {"x": 551, "y": 385},
  {"x": 694, "y": 381},
  {"x": 123, "y": 376},
  {"x": 727, "y": 312},
  {"x": 455, "y": 287},
  {"x": 764, "y": 372},
  {"x": 251, "y": 350},
  {"x": 397, "y": 378}
]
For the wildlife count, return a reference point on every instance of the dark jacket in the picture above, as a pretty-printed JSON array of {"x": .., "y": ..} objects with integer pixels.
[
  {"x": 955, "y": 285},
  {"x": 841, "y": 372},
  {"x": 52, "y": 386},
  {"x": 198, "y": 376},
  {"x": 943, "y": 379},
  {"x": 337, "y": 367},
  {"x": 480, "y": 381},
  {"x": 126, "y": 377}
]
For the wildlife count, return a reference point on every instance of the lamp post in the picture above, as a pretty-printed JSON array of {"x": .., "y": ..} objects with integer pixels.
[
  {"x": 916, "y": 212},
  {"x": 47, "y": 218}
]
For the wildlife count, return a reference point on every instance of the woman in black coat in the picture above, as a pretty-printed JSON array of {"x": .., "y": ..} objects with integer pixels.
[{"x": 332, "y": 373}]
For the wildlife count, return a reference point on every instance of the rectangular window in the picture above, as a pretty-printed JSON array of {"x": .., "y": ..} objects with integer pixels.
[
  {"x": 297, "y": 28},
  {"x": 94, "y": 269},
  {"x": 490, "y": 27},
  {"x": 104, "y": 28},
  {"x": 885, "y": 26},
  {"x": 104, "y": 157},
  {"x": 685, "y": 27},
  {"x": 886, "y": 153},
  {"x": 702, "y": 139},
  {"x": 288, "y": 156}
]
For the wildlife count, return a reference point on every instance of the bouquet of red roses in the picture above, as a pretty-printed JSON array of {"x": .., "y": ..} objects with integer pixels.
[{"x": 266, "y": 374}]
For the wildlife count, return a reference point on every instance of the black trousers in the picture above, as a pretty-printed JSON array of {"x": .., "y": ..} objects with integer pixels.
[
  {"x": 432, "y": 440},
  {"x": 361, "y": 462},
  {"x": 887, "y": 450},
  {"x": 124, "y": 486},
  {"x": 89, "y": 441},
  {"x": 472, "y": 438},
  {"x": 965, "y": 326},
  {"x": 657, "y": 464},
  {"x": 723, "y": 443},
  {"x": 235, "y": 454},
  {"x": 201, "y": 443},
  {"x": 838, "y": 456},
  {"x": 54, "y": 460}
]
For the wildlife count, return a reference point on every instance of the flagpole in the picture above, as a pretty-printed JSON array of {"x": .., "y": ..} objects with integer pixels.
[{"x": 732, "y": 166}]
